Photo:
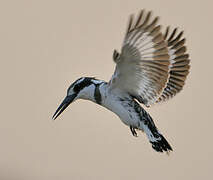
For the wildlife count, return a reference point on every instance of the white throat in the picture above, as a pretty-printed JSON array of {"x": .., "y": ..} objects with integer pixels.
[{"x": 94, "y": 92}]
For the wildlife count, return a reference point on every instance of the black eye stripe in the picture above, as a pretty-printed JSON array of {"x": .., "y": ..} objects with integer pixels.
[
  {"x": 86, "y": 82},
  {"x": 77, "y": 87},
  {"x": 73, "y": 84}
]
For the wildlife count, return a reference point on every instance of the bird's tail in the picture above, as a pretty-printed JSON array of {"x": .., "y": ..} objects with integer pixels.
[{"x": 159, "y": 143}]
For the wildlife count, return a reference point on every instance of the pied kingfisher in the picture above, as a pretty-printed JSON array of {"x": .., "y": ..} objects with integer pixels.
[{"x": 151, "y": 68}]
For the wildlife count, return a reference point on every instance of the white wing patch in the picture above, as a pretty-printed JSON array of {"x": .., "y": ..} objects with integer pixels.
[{"x": 143, "y": 65}]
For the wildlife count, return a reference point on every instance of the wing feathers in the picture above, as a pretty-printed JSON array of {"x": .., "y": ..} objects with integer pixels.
[
  {"x": 152, "y": 66},
  {"x": 142, "y": 69},
  {"x": 145, "y": 21},
  {"x": 172, "y": 35},
  {"x": 130, "y": 23},
  {"x": 150, "y": 27},
  {"x": 171, "y": 43},
  {"x": 160, "y": 45},
  {"x": 179, "y": 64},
  {"x": 139, "y": 18},
  {"x": 179, "y": 44},
  {"x": 166, "y": 32}
]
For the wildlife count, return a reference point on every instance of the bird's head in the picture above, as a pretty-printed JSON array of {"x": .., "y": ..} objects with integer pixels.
[{"x": 76, "y": 90}]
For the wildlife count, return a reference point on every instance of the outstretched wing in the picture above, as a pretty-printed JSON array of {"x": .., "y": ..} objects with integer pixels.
[
  {"x": 179, "y": 64},
  {"x": 142, "y": 68}
]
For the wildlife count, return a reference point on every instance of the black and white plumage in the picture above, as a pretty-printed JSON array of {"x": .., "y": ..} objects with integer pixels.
[{"x": 152, "y": 67}]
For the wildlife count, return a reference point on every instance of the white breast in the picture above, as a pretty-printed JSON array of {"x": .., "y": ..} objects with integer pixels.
[{"x": 124, "y": 110}]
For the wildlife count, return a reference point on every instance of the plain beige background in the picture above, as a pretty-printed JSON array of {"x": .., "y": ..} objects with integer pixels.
[{"x": 46, "y": 45}]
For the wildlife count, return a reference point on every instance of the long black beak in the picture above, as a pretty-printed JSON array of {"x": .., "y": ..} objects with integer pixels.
[{"x": 66, "y": 102}]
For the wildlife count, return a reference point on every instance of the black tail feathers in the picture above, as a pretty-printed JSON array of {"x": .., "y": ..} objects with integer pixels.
[{"x": 161, "y": 144}]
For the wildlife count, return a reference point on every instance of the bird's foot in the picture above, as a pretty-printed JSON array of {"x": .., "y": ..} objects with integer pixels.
[{"x": 134, "y": 133}]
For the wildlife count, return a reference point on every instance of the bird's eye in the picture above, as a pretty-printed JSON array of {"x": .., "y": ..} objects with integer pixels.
[{"x": 77, "y": 88}]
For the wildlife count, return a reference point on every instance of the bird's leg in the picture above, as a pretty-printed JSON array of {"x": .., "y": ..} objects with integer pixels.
[{"x": 134, "y": 133}]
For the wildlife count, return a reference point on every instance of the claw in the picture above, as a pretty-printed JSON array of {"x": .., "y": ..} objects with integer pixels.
[{"x": 134, "y": 133}]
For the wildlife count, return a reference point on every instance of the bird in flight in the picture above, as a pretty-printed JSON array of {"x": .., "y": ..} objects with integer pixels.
[{"x": 151, "y": 68}]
